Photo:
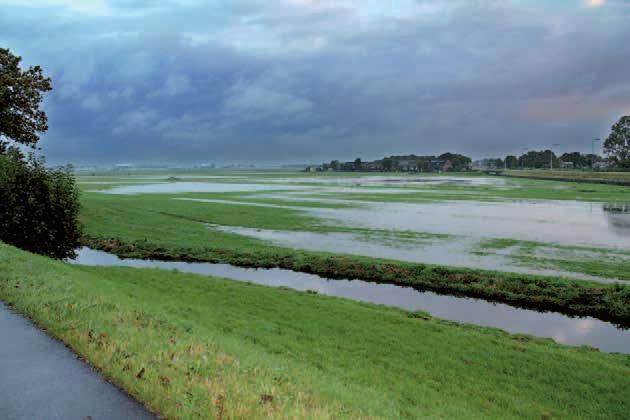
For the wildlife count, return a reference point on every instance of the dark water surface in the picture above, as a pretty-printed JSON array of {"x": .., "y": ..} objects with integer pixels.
[{"x": 563, "y": 329}]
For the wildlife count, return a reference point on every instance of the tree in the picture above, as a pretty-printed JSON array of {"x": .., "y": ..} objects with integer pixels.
[
  {"x": 357, "y": 164},
  {"x": 575, "y": 157},
  {"x": 459, "y": 162},
  {"x": 535, "y": 159},
  {"x": 21, "y": 93},
  {"x": 590, "y": 159},
  {"x": 617, "y": 145},
  {"x": 511, "y": 162},
  {"x": 580, "y": 160},
  {"x": 39, "y": 207}
]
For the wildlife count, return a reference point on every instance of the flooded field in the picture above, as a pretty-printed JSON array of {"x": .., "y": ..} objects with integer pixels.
[
  {"x": 474, "y": 221},
  {"x": 177, "y": 187},
  {"x": 563, "y": 329},
  {"x": 454, "y": 252}
]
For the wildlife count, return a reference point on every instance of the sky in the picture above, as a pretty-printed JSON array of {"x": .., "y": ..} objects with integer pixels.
[{"x": 274, "y": 81}]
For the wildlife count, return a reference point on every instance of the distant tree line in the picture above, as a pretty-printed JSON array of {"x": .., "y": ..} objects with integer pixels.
[
  {"x": 404, "y": 163},
  {"x": 616, "y": 148},
  {"x": 543, "y": 159}
]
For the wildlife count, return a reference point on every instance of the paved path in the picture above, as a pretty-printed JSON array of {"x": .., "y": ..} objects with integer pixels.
[{"x": 42, "y": 379}]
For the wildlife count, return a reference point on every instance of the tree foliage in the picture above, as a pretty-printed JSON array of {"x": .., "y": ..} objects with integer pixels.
[
  {"x": 39, "y": 207},
  {"x": 617, "y": 145},
  {"x": 511, "y": 162},
  {"x": 21, "y": 93},
  {"x": 539, "y": 159},
  {"x": 580, "y": 160},
  {"x": 459, "y": 162}
]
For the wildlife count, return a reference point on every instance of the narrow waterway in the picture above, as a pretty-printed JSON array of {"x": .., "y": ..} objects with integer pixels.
[{"x": 563, "y": 329}]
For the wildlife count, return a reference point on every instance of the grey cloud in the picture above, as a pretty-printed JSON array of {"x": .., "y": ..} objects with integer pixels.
[{"x": 251, "y": 81}]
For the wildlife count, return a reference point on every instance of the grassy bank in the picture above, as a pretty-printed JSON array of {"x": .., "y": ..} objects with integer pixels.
[{"x": 190, "y": 346}]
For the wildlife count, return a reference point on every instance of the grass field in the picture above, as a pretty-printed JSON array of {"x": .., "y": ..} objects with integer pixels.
[
  {"x": 163, "y": 226},
  {"x": 209, "y": 347}
]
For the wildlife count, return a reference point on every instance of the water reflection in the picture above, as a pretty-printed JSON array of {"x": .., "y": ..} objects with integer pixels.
[
  {"x": 192, "y": 187},
  {"x": 618, "y": 217},
  {"x": 564, "y": 329}
]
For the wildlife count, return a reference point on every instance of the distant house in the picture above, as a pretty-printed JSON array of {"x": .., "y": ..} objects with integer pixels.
[
  {"x": 377, "y": 165},
  {"x": 123, "y": 166},
  {"x": 566, "y": 165},
  {"x": 407, "y": 165},
  {"x": 347, "y": 166},
  {"x": 439, "y": 165},
  {"x": 604, "y": 164},
  {"x": 313, "y": 169},
  {"x": 404, "y": 163}
]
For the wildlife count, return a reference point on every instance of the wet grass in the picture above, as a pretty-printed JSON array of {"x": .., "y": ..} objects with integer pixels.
[
  {"x": 190, "y": 346},
  {"x": 514, "y": 189},
  {"x": 576, "y": 176},
  {"x": 602, "y": 262}
]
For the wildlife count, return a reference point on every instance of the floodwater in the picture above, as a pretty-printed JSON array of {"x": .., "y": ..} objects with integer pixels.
[
  {"x": 192, "y": 187},
  {"x": 455, "y": 252},
  {"x": 560, "y": 222},
  {"x": 469, "y": 223},
  {"x": 618, "y": 217},
  {"x": 400, "y": 180},
  {"x": 563, "y": 329},
  {"x": 552, "y": 221}
]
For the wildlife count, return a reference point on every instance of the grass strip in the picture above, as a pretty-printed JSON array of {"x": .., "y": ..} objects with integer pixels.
[{"x": 190, "y": 346}]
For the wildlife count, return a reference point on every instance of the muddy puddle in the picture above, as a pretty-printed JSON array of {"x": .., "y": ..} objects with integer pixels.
[{"x": 563, "y": 329}]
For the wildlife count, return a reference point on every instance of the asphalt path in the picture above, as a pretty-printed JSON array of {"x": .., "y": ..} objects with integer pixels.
[{"x": 40, "y": 378}]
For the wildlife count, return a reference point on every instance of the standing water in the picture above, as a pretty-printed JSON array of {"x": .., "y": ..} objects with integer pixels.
[{"x": 563, "y": 329}]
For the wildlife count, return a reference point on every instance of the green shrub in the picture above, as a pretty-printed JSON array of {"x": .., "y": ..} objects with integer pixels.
[{"x": 39, "y": 206}]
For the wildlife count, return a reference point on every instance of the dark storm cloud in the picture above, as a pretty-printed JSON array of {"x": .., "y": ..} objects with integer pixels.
[{"x": 307, "y": 80}]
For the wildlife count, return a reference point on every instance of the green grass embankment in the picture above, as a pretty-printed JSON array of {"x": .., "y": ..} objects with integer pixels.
[{"x": 190, "y": 346}]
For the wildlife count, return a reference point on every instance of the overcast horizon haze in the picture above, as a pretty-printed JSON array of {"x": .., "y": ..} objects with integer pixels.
[{"x": 291, "y": 81}]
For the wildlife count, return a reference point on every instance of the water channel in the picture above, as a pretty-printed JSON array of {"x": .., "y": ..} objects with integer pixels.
[{"x": 563, "y": 329}]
